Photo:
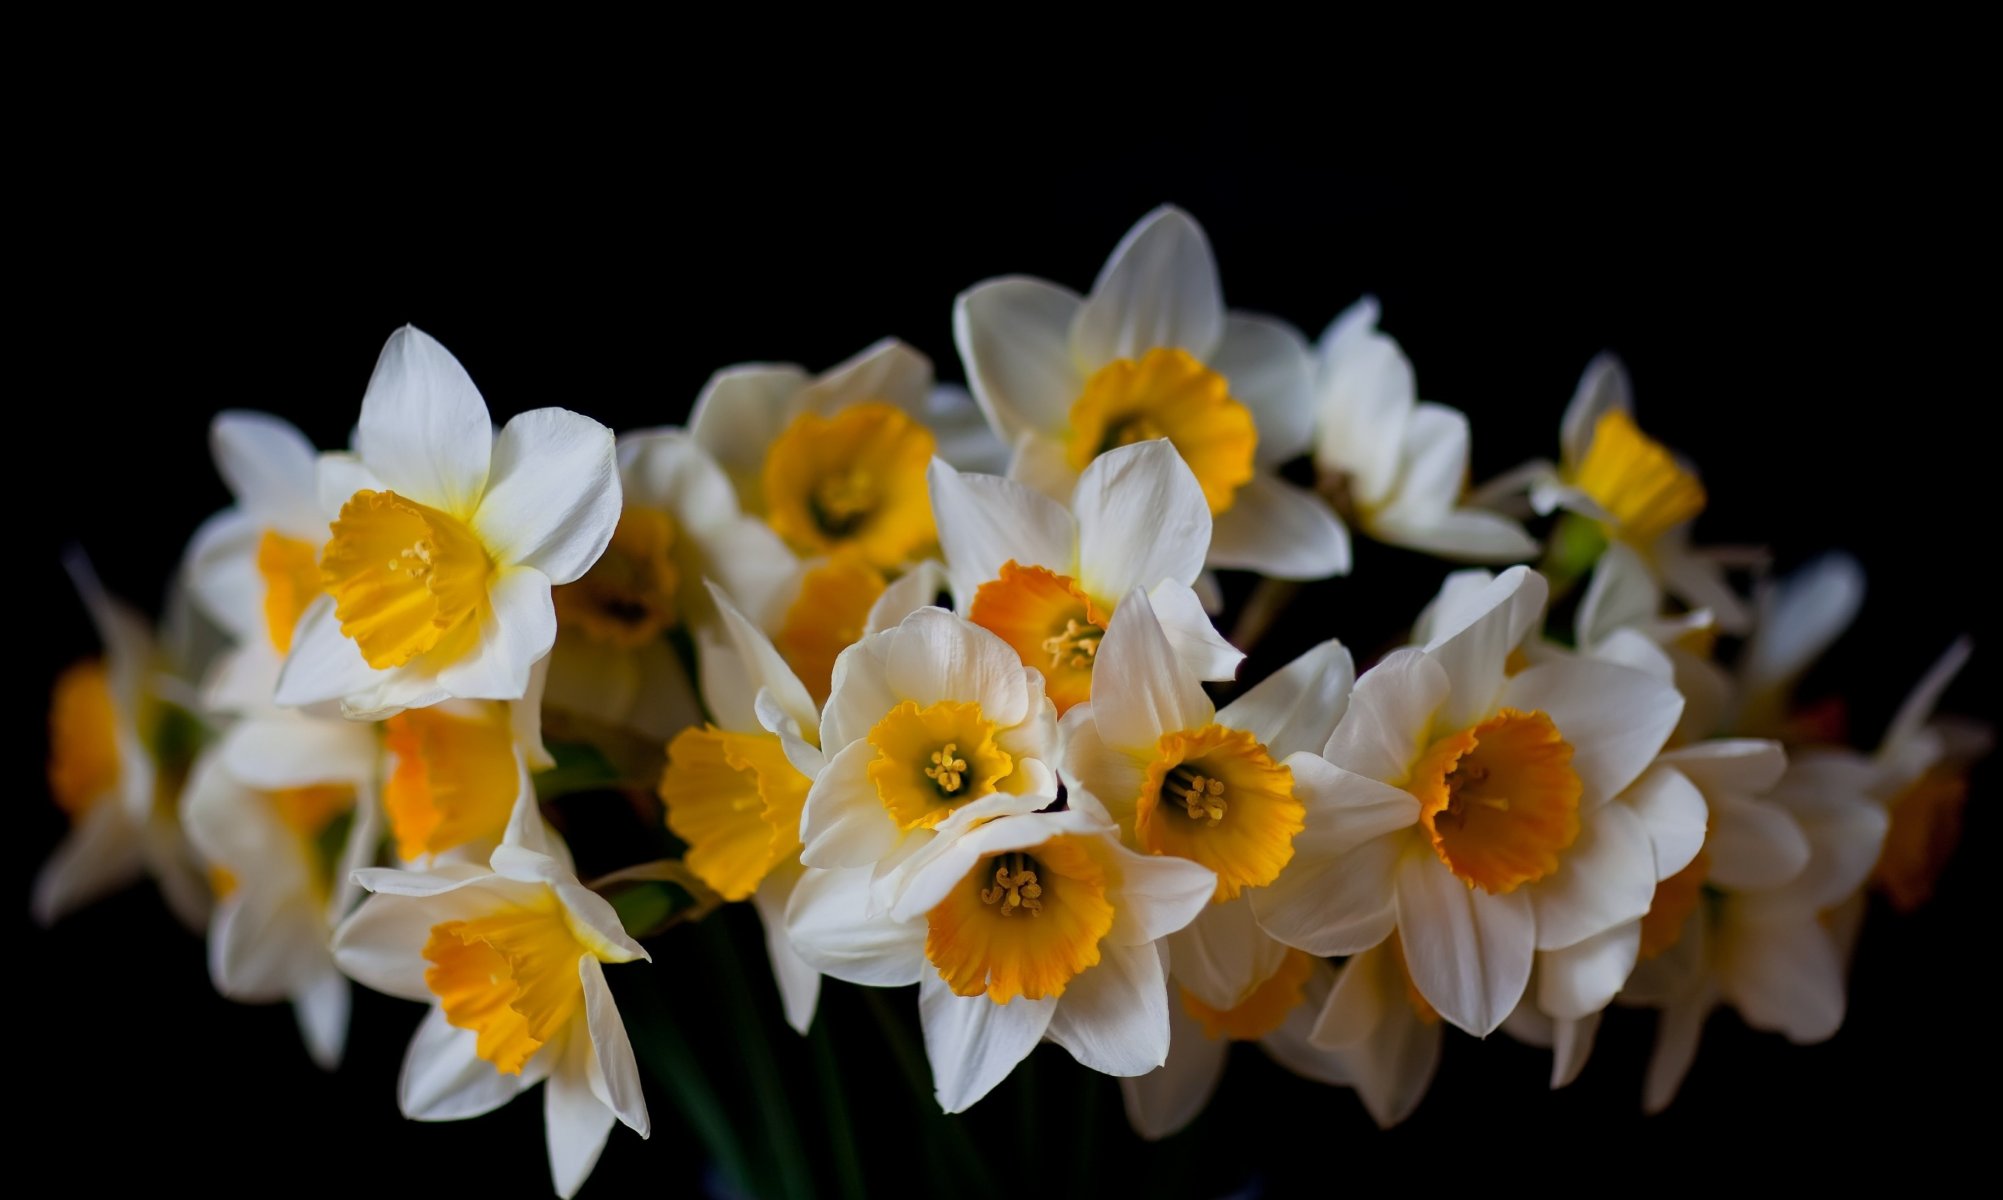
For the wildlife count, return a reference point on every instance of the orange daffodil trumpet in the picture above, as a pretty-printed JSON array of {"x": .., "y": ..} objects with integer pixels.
[
  {"x": 445, "y": 542},
  {"x": 1046, "y": 579},
  {"x": 1480, "y": 815},
  {"x": 1152, "y": 353},
  {"x": 511, "y": 958},
  {"x": 1397, "y": 466}
]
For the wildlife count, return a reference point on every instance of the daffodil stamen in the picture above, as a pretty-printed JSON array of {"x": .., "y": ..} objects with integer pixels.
[
  {"x": 852, "y": 480},
  {"x": 1201, "y": 796},
  {"x": 1015, "y": 889},
  {"x": 1200, "y": 775},
  {"x": 930, "y": 761},
  {"x": 1077, "y": 647},
  {"x": 1500, "y": 800}
]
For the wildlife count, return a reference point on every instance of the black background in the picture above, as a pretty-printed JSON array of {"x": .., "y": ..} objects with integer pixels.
[{"x": 1785, "y": 295}]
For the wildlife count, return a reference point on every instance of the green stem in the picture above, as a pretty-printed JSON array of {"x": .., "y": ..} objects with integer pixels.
[
  {"x": 660, "y": 1047},
  {"x": 787, "y": 1155},
  {"x": 834, "y": 1111}
]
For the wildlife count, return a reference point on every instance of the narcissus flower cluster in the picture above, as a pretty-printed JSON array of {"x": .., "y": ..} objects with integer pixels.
[{"x": 939, "y": 682}]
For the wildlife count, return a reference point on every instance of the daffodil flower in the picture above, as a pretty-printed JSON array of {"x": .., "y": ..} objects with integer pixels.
[
  {"x": 1278, "y": 1015},
  {"x": 1017, "y": 925},
  {"x": 283, "y": 811},
  {"x": 1399, "y": 466},
  {"x": 1217, "y": 787},
  {"x": 836, "y": 461},
  {"x": 1475, "y": 812},
  {"x": 1378, "y": 1034},
  {"x": 511, "y": 959},
  {"x": 446, "y": 541},
  {"x": 1047, "y": 580},
  {"x": 1921, "y": 781},
  {"x": 107, "y": 730},
  {"x": 459, "y": 773},
  {"x": 924, "y": 718},
  {"x": 1152, "y": 353},
  {"x": 254, "y": 568}
]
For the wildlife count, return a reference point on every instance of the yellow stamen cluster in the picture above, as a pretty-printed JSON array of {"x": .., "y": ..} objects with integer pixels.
[
  {"x": 1015, "y": 887},
  {"x": 947, "y": 769},
  {"x": 1202, "y": 797},
  {"x": 1076, "y": 646}
]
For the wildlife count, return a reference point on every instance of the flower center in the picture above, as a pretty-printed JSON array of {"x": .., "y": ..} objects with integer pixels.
[
  {"x": 827, "y": 617},
  {"x": 1669, "y": 910},
  {"x": 291, "y": 576},
  {"x": 1263, "y": 1009},
  {"x": 510, "y": 977},
  {"x": 930, "y": 761},
  {"x": 627, "y": 598},
  {"x": 83, "y": 737},
  {"x": 1925, "y": 826},
  {"x": 1051, "y": 623},
  {"x": 978, "y": 947},
  {"x": 1500, "y": 800},
  {"x": 736, "y": 800},
  {"x": 856, "y": 479},
  {"x": 454, "y": 779},
  {"x": 406, "y": 579},
  {"x": 1215, "y": 795},
  {"x": 1637, "y": 481},
  {"x": 1168, "y": 394}
]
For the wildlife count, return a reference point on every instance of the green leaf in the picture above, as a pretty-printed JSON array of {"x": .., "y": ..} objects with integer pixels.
[{"x": 580, "y": 767}]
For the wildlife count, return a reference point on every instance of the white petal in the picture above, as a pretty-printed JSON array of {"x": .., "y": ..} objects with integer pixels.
[
  {"x": 324, "y": 664},
  {"x": 1474, "y": 648},
  {"x": 1462, "y": 535},
  {"x": 887, "y": 372},
  {"x": 518, "y": 628},
  {"x": 1675, "y": 815},
  {"x": 1113, "y": 1018},
  {"x": 1223, "y": 955},
  {"x": 985, "y": 522},
  {"x": 424, "y": 429},
  {"x": 765, "y": 669},
  {"x": 1139, "y": 689},
  {"x": 1676, "y": 1038},
  {"x": 1297, "y": 708},
  {"x": 1603, "y": 388},
  {"x": 445, "y": 1079},
  {"x": 1469, "y": 952},
  {"x": 98, "y": 857},
  {"x": 1622, "y": 595},
  {"x": 1041, "y": 463},
  {"x": 1918, "y": 707},
  {"x": 1113, "y": 778},
  {"x": 973, "y": 1042},
  {"x": 1364, "y": 391},
  {"x": 740, "y": 410},
  {"x": 1697, "y": 577},
  {"x": 1614, "y": 717},
  {"x": 917, "y": 588},
  {"x": 1751, "y": 766},
  {"x": 1581, "y": 979},
  {"x": 1142, "y": 519},
  {"x": 274, "y": 753},
  {"x": 1784, "y": 974},
  {"x": 222, "y": 572},
  {"x": 1333, "y": 906},
  {"x": 321, "y": 1008},
  {"x": 1799, "y": 618},
  {"x": 1391, "y": 1065},
  {"x": 829, "y": 922},
  {"x": 935, "y": 655},
  {"x": 1197, "y": 644},
  {"x": 381, "y": 943},
  {"x": 859, "y": 692},
  {"x": 269, "y": 467},
  {"x": 1267, "y": 363},
  {"x": 1163, "y": 1101},
  {"x": 1435, "y": 457},
  {"x": 575, "y": 1126},
  {"x": 337, "y": 476},
  {"x": 1360, "y": 999},
  {"x": 552, "y": 499},
  {"x": 242, "y": 679},
  {"x": 799, "y": 983},
  {"x": 1754, "y": 845},
  {"x": 617, "y": 1071},
  {"x": 1014, "y": 336},
  {"x": 1159, "y": 894},
  {"x": 1605, "y": 878},
  {"x": 126, "y": 635},
  {"x": 1574, "y": 1045},
  {"x": 1280, "y": 530},
  {"x": 975, "y": 831},
  {"x": 965, "y": 438},
  {"x": 1391, "y": 709},
  {"x": 1159, "y": 288}
]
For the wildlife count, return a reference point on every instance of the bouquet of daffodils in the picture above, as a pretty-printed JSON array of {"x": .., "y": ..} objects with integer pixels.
[{"x": 929, "y": 677}]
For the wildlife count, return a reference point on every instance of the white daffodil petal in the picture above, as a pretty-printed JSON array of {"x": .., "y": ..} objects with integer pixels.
[
  {"x": 1222, "y": 955},
  {"x": 274, "y": 753},
  {"x": 1615, "y": 718},
  {"x": 1674, "y": 813},
  {"x": 832, "y": 927},
  {"x": 1271, "y": 372},
  {"x": 517, "y": 629},
  {"x": 1918, "y": 707},
  {"x": 552, "y": 498},
  {"x": 1297, "y": 708},
  {"x": 1606, "y": 878},
  {"x": 740, "y": 410},
  {"x": 1112, "y": 777},
  {"x": 985, "y": 522},
  {"x": 1603, "y": 388},
  {"x": 445, "y": 1079},
  {"x": 1014, "y": 335},
  {"x": 617, "y": 1070},
  {"x": 1159, "y": 288},
  {"x": 1113, "y": 1018},
  {"x": 1140, "y": 689},
  {"x": 1676, "y": 1036},
  {"x": 766, "y": 668},
  {"x": 1754, "y": 845},
  {"x": 1164, "y": 1101},
  {"x": 1280, "y": 530},
  {"x": 222, "y": 572},
  {"x": 321, "y": 1007},
  {"x": 1581, "y": 979},
  {"x": 1141, "y": 519},
  {"x": 269, "y": 467},
  {"x": 1572, "y": 1045},
  {"x": 1333, "y": 906},
  {"x": 324, "y": 663},
  {"x": 1474, "y": 648},
  {"x": 973, "y": 1042},
  {"x": 888, "y": 371},
  {"x": 575, "y": 1126},
  {"x": 1159, "y": 894},
  {"x": 424, "y": 429},
  {"x": 1463, "y": 535},
  {"x": 1469, "y": 952},
  {"x": 101, "y": 855},
  {"x": 1784, "y": 974},
  {"x": 799, "y": 983},
  {"x": 1752, "y": 766},
  {"x": 936, "y": 656},
  {"x": 1391, "y": 708},
  {"x": 1194, "y": 639},
  {"x": 1799, "y": 618}
]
